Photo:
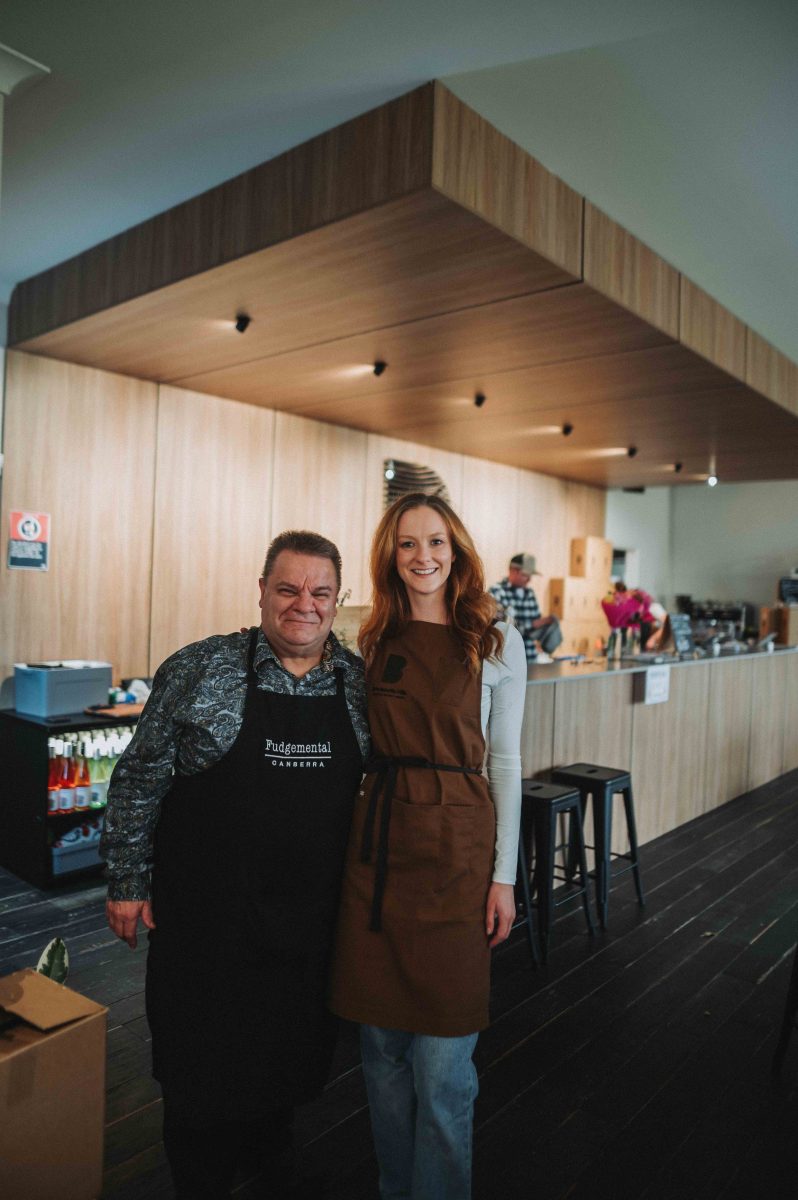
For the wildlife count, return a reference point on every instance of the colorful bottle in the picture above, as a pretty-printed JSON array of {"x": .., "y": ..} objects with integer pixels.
[
  {"x": 66, "y": 783},
  {"x": 55, "y": 749},
  {"x": 82, "y": 780},
  {"x": 98, "y": 775}
]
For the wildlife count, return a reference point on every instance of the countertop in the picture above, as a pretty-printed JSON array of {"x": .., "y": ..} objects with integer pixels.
[{"x": 564, "y": 669}]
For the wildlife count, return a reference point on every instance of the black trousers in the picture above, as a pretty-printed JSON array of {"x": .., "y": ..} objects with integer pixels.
[{"x": 204, "y": 1159}]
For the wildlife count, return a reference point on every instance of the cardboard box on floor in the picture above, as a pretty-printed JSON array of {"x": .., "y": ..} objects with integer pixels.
[{"x": 52, "y": 1090}]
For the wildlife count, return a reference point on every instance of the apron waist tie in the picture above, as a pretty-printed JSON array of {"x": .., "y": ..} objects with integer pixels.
[{"x": 387, "y": 769}]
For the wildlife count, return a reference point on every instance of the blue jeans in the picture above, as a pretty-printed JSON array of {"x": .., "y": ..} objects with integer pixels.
[{"x": 421, "y": 1092}]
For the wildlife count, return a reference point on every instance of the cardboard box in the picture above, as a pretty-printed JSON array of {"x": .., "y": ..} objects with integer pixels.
[
  {"x": 52, "y": 1091},
  {"x": 52, "y": 688},
  {"x": 568, "y": 599},
  {"x": 591, "y": 558},
  {"x": 767, "y": 622},
  {"x": 785, "y": 622}
]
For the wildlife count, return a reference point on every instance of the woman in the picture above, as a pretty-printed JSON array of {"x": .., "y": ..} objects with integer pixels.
[{"x": 432, "y": 854}]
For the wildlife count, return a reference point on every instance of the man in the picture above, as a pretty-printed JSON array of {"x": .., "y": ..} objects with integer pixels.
[
  {"x": 519, "y": 605},
  {"x": 238, "y": 788}
]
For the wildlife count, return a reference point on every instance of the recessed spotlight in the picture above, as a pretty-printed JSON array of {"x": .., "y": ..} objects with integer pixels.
[
  {"x": 712, "y": 481},
  {"x": 379, "y": 367},
  {"x": 677, "y": 467},
  {"x": 567, "y": 429},
  {"x": 242, "y": 322},
  {"x": 480, "y": 399},
  {"x": 632, "y": 451}
]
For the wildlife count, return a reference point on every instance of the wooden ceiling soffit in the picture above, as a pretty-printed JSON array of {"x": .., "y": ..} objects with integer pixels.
[
  {"x": 421, "y": 140},
  {"x": 417, "y": 231},
  {"x": 412, "y": 258}
]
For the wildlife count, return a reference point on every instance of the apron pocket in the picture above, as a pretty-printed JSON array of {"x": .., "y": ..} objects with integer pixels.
[{"x": 456, "y": 845}]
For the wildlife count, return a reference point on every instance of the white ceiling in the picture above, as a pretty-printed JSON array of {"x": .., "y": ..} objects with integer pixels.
[{"x": 678, "y": 117}]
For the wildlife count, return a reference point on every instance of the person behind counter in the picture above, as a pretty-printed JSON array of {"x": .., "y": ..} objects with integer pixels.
[
  {"x": 518, "y": 603},
  {"x": 428, "y": 887},
  {"x": 266, "y": 733}
]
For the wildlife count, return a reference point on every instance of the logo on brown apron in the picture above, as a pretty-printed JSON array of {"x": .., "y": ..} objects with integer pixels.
[{"x": 394, "y": 667}]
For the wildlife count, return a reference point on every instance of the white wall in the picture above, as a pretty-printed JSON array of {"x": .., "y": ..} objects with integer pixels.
[
  {"x": 734, "y": 541},
  {"x": 685, "y": 136},
  {"x": 642, "y": 522}
]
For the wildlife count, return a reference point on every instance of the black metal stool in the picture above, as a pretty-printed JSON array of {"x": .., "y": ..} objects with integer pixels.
[
  {"x": 541, "y": 806},
  {"x": 602, "y": 783}
]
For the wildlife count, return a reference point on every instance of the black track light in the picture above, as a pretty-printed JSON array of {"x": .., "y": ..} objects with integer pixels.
[
  {"x": 379, "y": 367},
  {"x": 677, "y": 467},
  {"x": 242, "y": 322},
  {"x": 567, "y": 429},
  {"x": 479, "y": 399},
  {"x": 632, "y": 451}
]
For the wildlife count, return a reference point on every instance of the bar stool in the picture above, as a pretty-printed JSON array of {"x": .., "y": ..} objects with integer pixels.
[
  {"x": 541, "y": 806},
  {"x": 602, "y": 783}
]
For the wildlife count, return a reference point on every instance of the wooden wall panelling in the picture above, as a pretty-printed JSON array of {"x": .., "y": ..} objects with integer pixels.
[
  {"x": 791, "y": 713},
  {"x": 490, "y": 512},
  {"x": 620, "y": 266},
  {"x": 365, "y": 162},
  {"x": 213, "y": 496},
  {"x": 542, "y": 505},
  {"x": 728, "y": 731},
  {"x": 585, "y": 509},
  {"x": 669, "y": 761},
  {"x": 768, "y": 711},
  {"x": 320, "y": 484},
  {"x": 771, "y": 372},
  {"x": 537, "y": 732},
  {"x": 711, "y": 330},
  {"x": 482, "y": 169},
  {"x": 80, "y": 445}
]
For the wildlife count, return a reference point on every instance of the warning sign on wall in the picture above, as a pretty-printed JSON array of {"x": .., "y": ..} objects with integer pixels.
[{"x": 28, "y": 541}]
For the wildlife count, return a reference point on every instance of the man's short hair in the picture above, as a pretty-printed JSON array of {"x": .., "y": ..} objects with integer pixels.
[{"x": 302, "y": 541}]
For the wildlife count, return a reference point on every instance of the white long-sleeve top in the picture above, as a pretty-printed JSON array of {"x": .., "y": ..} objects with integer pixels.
[{"x": 503, "y": 698}]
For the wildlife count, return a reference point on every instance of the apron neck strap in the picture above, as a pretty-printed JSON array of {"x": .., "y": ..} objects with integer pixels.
[{"x": 253, "y": 642}]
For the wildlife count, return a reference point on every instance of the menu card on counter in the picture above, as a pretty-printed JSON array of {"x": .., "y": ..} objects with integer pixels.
[{"x": 681, "y": 632}]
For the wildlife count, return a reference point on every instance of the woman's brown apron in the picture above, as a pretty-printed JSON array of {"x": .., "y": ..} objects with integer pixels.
[{"x": 411, "y": 949}]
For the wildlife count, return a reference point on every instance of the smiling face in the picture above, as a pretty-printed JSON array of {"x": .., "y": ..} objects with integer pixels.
[
  {"x": 297, "y": 604},
  {"x": 424, "y": 558}
]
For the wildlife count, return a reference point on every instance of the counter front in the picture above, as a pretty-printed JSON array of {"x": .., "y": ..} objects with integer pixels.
[{"x": 728, "y": 725}]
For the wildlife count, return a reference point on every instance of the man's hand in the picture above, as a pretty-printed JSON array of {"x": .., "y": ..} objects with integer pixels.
[
  {"x": 123, "y": 917},
  {"x": 499, "y": 912}
]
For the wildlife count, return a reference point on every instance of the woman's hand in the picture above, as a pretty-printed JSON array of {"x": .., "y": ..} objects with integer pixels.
[
  {"x": 123, "y": 917},
  {"x": 499, "y": 912}
]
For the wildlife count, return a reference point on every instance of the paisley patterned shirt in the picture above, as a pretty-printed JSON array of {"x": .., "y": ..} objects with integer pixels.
[{"x": 191, "y": 719}]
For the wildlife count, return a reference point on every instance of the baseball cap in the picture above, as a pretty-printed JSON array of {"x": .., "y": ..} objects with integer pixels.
[{"x": 526, "y": 563}]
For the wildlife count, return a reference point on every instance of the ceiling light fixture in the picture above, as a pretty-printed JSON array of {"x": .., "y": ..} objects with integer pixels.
[
  {"x": 480, "y": 399},
  {"x": 390, "y": 471},
  {"x": 632, "y": 451},
  {"x": 567, "y": 429},
  {"x": 242, "y": 322},
  {"x": 712, "y": 481},
  {"x": 379, "y": 367}
]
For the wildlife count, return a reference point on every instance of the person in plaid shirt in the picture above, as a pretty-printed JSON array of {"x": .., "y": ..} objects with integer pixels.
[{"x": 518, "y": 602}]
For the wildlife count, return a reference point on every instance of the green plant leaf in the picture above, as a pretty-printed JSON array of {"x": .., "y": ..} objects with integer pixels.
[{"x": 54, "y": 961}]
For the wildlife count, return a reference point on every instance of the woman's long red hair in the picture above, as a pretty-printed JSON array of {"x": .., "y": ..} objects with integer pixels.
[{"x": 471, "y": 609}]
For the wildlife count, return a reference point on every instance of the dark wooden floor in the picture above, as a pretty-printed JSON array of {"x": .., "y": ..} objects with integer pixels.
[{"x": 636, "y": 1066}]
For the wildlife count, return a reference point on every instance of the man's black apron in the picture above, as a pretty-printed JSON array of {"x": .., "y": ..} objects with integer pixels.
[{"x": 246, "y": 878}]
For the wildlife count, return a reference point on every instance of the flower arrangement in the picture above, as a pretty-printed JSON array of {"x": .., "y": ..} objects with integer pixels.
[{"x": 627, "y": 609}]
